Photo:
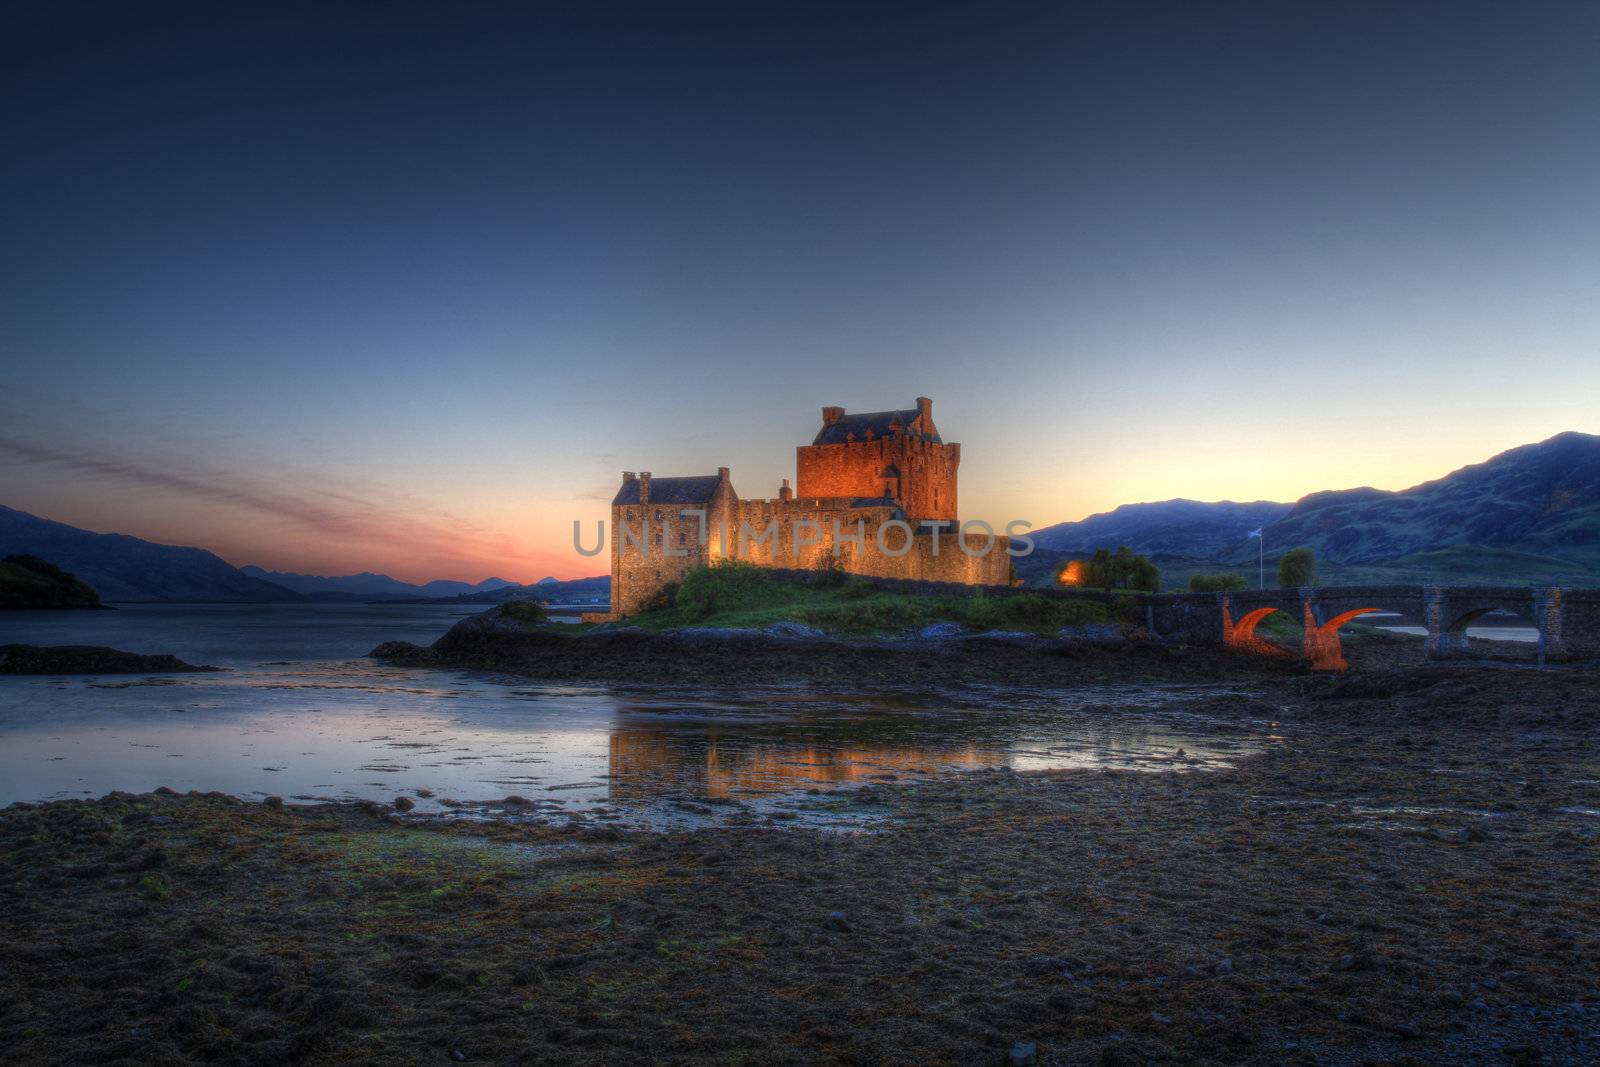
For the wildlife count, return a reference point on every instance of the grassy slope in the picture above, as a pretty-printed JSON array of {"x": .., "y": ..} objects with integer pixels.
[{"x": 746, "y": 601}]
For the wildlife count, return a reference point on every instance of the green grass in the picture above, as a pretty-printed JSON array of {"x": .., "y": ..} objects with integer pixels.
[{"x": 733, "y": 594}]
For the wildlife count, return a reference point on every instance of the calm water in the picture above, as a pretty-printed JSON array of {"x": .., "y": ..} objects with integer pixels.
[{"x": 302, "y": 714}]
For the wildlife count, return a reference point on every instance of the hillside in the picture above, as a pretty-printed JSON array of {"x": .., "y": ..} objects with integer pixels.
[
  {"x": 372, "y": 586},
  {"x": 1531, "y": 514},
  {"x": 1169, "y": 527},
  {"x": 549, "y": 590},
  {"x": 123, "y": 568},
  {"x": 1536, "y": 506},
  {"x": 30, "y": 582}
]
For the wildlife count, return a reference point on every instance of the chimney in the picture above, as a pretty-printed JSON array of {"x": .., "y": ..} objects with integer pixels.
[
  {"x": 722, "y": 475},
  {"x": 628, "y": 476},
  {"x": 784, "y": 492},
  {"x": 644, "y": 487},
  {"x": 925, "y": 408},
  {"x": 831, "y": 415}
]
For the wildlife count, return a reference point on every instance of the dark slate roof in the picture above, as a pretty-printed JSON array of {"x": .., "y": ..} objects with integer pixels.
[
  {"x": 697, "y": 490},
  {"x": 880, "y": 422}
]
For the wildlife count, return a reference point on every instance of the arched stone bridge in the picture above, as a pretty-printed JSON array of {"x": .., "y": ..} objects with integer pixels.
[{"x": 1568, "y": 620}]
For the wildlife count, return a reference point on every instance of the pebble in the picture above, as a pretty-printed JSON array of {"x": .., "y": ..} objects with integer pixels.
[
  {"x": 404, "y": 803},
  {"x": 1158, "y": 1017},
  {"x": 1024, "y": 1053},
  {"x": 1224, "y": 967},
  {"x": 1407, "y": 1030},
  {"x": 272, "y": 802},
  {"x": 837, "y": 920},
  {"x": 516, "y": 801}
]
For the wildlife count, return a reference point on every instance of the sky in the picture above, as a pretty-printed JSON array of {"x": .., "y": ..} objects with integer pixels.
[{"x": 337, "y": 287}]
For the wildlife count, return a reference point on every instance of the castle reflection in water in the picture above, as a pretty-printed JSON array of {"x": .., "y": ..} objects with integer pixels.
[{"x": 646, "y": 763}]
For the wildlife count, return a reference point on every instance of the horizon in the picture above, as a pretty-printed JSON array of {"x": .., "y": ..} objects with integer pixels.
[
  {"x": 603, "y": 573},
  {"x": 406, "y": 295}
]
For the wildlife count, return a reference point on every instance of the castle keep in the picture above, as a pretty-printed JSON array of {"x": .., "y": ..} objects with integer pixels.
[{"x": 874, "y": 494}]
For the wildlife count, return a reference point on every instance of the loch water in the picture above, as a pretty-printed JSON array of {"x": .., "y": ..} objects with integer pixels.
[{"x": 300, "y": 712}]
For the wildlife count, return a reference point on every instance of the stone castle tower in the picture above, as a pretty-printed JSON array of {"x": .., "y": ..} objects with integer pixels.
[
  {"x": 894, "y": 455},
  {"x": 866, "y": 481}
]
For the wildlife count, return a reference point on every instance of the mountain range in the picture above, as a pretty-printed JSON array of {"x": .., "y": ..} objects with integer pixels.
[
  {"x": 129, "y": 569},
  {"x": 1528, "y": 514},
  {"x": 124, "y": 568},
  {"x": 369, "y": 586},
  {"x": 1531, "y": 514}
]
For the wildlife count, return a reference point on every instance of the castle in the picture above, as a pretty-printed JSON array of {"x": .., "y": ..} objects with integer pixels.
[{"x": 874, "y": 494}]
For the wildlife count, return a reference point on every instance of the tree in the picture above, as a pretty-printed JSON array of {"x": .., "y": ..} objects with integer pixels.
[
  {"x": 1122, "y": 567},
  {"x": 1115, "y": 570},
  {"x": 1216, "y": 583},
  {"x": 1146, "y": 576},
  {"x": 1298, "y": 567},
  {"x": 1099, "y": 569}
]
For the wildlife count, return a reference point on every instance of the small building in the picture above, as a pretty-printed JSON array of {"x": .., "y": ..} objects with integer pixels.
[{"x": 874, "y": 494}]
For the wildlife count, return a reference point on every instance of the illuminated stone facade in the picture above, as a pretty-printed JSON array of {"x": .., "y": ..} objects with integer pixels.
[{"x": 878, "y": 487}]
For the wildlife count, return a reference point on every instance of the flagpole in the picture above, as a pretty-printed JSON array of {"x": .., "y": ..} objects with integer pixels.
[{"x": 1261, "y": 561}]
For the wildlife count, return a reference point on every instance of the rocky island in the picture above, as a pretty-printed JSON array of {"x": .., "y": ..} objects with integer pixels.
[
  {"x": 28, "y": 582},
  {"x": 87, "y": 659}
]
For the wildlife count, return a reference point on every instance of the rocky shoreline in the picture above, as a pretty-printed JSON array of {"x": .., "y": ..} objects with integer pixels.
[
  {"x": 1406, "y": 876},
  {"x": 88, "y": 659},
  {"x": 937, "y": 655}
]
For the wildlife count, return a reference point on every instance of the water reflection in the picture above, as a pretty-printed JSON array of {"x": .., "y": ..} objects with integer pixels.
[
  {"x": 645, "y": 764},
  {"x": 355, "y": 729}
]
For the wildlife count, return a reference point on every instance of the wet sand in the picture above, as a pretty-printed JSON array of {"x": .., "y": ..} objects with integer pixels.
[{"x": 1408, "y": 876}]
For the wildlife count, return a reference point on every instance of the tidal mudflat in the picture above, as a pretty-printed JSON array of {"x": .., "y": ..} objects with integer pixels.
[{"x": 1405, "y": 874}]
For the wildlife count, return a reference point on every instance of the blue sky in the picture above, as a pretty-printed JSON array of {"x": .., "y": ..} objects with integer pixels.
[{"x": 405, "y": 287}]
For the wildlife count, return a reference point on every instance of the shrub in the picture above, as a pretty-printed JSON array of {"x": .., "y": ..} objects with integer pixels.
[
  {"x": 662, "y": 599},
  {"x": 1079, "y": 612},
  {"x": 1126, "y": 609},
  {"x": 1216, "y": 583},
  {"x": 524, "y": 610},
  {"x": 1031, "y": 609},
  {"x": 1297, "y": 567},
  {"x": 857, "y": 587},
  {"x": 726, "y": 585},
  {"x": 832, "y": 575}
]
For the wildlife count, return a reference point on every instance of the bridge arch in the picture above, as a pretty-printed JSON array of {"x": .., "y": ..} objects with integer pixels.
[
  {"x": 1321, "y": 645},
  {"x": 1242, "y": 634}
]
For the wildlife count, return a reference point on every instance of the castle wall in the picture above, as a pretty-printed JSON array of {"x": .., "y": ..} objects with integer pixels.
[
  {"x": 637, "y": 574},
  {"x": 922, "y": 560},
  {"x": 771, "y": 533}
]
